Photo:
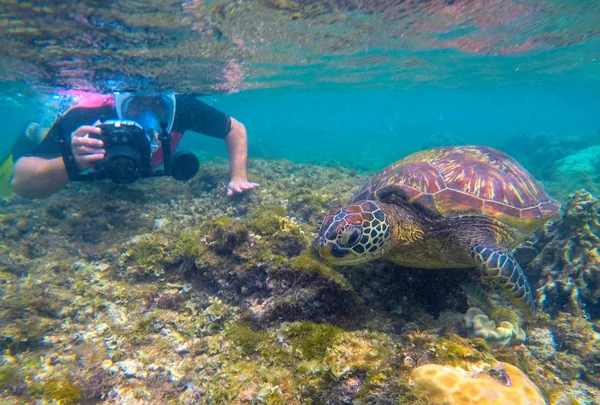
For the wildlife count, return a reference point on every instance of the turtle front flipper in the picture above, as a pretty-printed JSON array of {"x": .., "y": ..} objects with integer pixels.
[{"x": 499, "y": 265}]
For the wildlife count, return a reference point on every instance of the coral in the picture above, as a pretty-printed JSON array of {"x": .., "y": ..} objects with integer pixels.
[
  {"x": 450, "y": 385},
  {"x": 567, "y": 366},
  {"x": 569, "y": 261},
  {"x": 539, "y": 152},
  {"x": 578, "y": 336},
  {"x": 482, "y": 326}
]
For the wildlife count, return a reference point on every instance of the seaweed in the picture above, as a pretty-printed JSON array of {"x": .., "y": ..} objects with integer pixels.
[{"x": 62, "y": 391}]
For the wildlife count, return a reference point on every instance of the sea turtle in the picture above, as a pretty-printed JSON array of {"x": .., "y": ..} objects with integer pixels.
[{"x": 446, "y": 207}]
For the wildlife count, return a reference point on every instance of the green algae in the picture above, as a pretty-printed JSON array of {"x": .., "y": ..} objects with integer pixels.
[
  {"x": 308, "y": 264},
  {"x": 279, "y": 234},
  {"x": 25, "y": 333},
  {"x": 506, "y": 314},
  {"x": 478, "y": 297},
  {"x": 227, "y": 234},
  {"x": 231, "y": 358},
  {"x": 143, "y": 327},
  {"x": 300, "y": 363},
  {"x": 148, "y": 252},
  {"x": 308, "y": 205},
  {"x": 62, "y": 391},
  {"x": 456, "y": 351},
  {"x": 312, "y": 340},
  {"x": 189, "y": 245},
  {"x": 245, "y": 337},
  {"x": 267, "y": 220},
  {"x": 516, "y": 357},
  {"x": 8, "y": 376}
]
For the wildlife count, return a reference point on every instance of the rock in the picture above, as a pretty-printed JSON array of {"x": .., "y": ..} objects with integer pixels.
[
  {"x": 581, "y": 169},
  {"x": 183, "y": 349},
  {"x": 541, "y": 343},
  {"x": 132, "y": 369}
]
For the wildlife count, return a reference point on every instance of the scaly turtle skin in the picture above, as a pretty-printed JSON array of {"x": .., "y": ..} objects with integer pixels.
[{"x": 447, "y": 207}]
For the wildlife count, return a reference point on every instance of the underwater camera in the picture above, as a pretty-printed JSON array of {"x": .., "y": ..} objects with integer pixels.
[{"x": 128, "y": 155}]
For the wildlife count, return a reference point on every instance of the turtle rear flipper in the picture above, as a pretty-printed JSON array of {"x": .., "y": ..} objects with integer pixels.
[{"x": 499, "y": 266}]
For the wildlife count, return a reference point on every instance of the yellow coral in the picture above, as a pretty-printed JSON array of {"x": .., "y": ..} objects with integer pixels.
[{"x": 447, "y": 385}]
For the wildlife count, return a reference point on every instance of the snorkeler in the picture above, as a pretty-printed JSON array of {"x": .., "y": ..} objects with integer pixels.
[{"x": 124, "y": 137}]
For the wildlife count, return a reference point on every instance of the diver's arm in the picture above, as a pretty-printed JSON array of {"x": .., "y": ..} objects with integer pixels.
[
  {"x": 237, "y": 148},
  {"x": 38, "y": 177}
]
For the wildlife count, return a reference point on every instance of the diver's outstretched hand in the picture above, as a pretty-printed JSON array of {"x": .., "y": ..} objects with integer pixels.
[
  {"x": 86, "y": 150},
  {"x": 239, "y": 186}
]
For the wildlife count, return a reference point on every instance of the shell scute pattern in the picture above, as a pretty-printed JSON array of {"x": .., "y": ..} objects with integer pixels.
[
  {"x": 464, "y": 180},
  {"x": 490, "y": 175}
]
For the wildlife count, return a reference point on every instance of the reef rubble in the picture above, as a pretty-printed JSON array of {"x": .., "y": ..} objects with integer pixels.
[{"x": 171, "y": 293}]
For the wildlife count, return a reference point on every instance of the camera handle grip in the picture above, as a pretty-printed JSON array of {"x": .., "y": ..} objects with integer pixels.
[{"x": 165, "y": 141}]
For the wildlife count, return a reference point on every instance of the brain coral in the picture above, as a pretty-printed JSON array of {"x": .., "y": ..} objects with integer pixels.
[{"x": 448, "y": 385}]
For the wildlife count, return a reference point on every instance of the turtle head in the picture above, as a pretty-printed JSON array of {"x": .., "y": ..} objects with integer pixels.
[{"x": 354, "y": 234}]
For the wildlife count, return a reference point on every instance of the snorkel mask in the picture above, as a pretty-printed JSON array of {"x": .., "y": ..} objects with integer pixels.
[{"x": 134, "y": 106}]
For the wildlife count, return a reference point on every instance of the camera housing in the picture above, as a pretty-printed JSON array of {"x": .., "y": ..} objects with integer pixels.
[
  {"x": 128, "y": 151},
  {"x": 129, "y": 154}
]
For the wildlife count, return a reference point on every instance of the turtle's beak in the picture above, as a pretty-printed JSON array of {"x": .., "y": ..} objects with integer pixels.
[
  {"x": 330, "y": 251},
  {"x": 320, "y": 247}
]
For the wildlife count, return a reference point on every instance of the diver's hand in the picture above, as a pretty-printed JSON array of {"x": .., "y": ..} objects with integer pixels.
[
  {"x": 239, "y": 186},
  {"x": 86, "y": 150}
]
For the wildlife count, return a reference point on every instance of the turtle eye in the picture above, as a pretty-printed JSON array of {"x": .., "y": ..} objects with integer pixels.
[
  {"x": 350, "y": 237},
  {"x": 354, "y": 237}
]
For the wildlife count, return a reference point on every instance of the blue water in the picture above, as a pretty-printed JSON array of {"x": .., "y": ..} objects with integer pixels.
[
  {"x": 354, "y": 83},
  {"x": 369, "y": 128}
]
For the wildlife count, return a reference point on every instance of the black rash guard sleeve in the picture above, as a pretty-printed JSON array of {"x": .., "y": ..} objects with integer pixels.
[
  {"x": 63, "y": 126},
  {"x": 23, "y": 145},
  {"x": 192, "y": 114}
]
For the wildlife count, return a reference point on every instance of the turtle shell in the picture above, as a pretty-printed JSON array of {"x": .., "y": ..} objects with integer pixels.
[{"x": 464, "y": 180}]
